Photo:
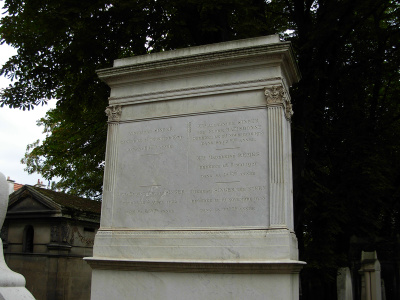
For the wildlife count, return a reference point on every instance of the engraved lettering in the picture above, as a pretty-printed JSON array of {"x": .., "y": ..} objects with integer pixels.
[{"x": 200, "y": 167}]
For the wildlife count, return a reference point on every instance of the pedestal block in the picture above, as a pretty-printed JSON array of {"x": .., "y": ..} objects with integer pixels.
[{"x": 197, "y": 199}]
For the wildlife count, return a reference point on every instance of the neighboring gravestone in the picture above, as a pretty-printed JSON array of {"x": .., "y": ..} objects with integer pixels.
[
  {"x": 370, "y": 271},
  {"x": 344, "y": 284},
  {"x": 197, "y": 200},
  {"x": 12, "y": 285}
]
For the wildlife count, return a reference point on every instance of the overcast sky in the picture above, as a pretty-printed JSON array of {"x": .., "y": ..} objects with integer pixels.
[{"x": 18, "y": 129}]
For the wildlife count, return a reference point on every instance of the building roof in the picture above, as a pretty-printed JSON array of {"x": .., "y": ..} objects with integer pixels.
[
  {"x": 71, "y": 201},
  {"x": 17, "y": 186},
  {"x": 36, "y": 202}
]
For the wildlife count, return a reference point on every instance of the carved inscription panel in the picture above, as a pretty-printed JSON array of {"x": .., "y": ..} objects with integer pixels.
[{"x": 193, "y": 172}]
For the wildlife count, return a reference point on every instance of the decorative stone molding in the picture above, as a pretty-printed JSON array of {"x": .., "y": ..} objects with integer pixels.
[
  {"x": 288, "y": 109},
  {"x": 59, "y": 233},
  {"x": 64, "y": 230},
  {"x": 277, "y": 95},
  {"x": 59, "y": 247},
  {"x": 58, "y": 238},
  {"x": 226, "y": 267},
  {"x": 208, "y": 89},
  {"x": 54, "y": 236},
  {"x": 114, "y": 113}
]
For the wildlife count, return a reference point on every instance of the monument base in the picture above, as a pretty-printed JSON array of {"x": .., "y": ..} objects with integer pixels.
[
  {"x": 220, "y": 264},
  {"x": 278, "y": 280},
  {"x": 197, "y": 245}
]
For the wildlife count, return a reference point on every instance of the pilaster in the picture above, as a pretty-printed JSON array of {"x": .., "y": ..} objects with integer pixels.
[
  {"x": 279, "y": 112},
  {"x": 114, "y": 116}
]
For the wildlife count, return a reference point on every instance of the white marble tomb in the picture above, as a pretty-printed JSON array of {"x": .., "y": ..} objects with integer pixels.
[{"x": 197, "y": 200}]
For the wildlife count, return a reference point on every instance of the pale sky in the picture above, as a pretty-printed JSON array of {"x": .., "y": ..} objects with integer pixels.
[{"x": 18, "y": 129}]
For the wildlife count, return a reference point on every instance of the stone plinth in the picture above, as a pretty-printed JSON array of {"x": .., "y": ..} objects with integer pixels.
[
  {"x": 12, "y": 284},
  {"x": 197, "y": 198}
]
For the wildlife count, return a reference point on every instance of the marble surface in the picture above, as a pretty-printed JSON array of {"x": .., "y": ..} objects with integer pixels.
[
  {"x": 198, "y": 51},
  {"x": 206, "y": 171},
  {"x": 3, "y": 198},
  {"x": 344, "y": 284},
  {"x": 198, "y": 245},
  {"x": 197, "y": 182},
  {"x": 194, "y": 286}
]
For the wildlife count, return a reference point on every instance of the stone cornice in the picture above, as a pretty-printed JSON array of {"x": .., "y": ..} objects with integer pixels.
[
  {"x": 221, "y": 267},
  {"x": 205, "y": 90},
  {"x": 194, "y": 59},
  {"x": 280, "y": 53}
]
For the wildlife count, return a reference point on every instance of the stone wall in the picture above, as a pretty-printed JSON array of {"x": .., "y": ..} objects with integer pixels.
[{"x": 55, "y": 269}]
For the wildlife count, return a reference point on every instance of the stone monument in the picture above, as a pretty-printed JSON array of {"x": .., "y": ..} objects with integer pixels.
[
  {"x": 344, "y": 284},
  {"x": 370, "y": 271},
  {"x": 197, "y": 199},
  {"x": 12, "y": 285}
]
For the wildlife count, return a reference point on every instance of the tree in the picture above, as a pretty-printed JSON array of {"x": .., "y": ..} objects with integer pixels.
[
  {"x": 345, "y": 128},
  {"x": 62, "y": 43},
  {"x": 345, "y": 140}
]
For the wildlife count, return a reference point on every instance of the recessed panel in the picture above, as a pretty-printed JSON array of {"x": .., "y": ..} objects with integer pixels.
[{"x": 198, "y": 171}]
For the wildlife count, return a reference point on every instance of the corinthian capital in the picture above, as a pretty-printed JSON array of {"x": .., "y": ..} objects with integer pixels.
[
  {"x": 274, "y": 94},
  {"x": 277, "y": 94},
  {"x": 114, "y": 113}
]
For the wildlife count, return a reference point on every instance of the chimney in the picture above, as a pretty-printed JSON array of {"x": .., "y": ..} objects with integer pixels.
[{"x": 40, "y": 184}]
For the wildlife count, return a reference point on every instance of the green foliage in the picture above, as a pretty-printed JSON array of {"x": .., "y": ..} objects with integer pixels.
[
  {"x": 346, "y": 126},
  {"x": 346, "y": 129},
  {"x": 62, "y": 43},
  {"x": 74, "y": 147}
]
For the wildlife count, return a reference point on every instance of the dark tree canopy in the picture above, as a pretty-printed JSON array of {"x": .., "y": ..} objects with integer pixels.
[
  {"x": 62, "y": 43},
  {"x": 346, "y": 126}
]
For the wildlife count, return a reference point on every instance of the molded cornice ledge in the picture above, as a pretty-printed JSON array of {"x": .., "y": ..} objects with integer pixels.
[
  {"x": 202, "y": 59},
  {"x": 182, "y": 266}
]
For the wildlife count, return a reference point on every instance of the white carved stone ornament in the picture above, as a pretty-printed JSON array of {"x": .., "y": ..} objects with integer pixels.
[
  {"x": 114, "y": 113},
  {"x": 288, "y": 109},
  {"x": 276, "y": 95},
  {"x": 12, "y": 285}
]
